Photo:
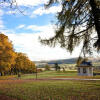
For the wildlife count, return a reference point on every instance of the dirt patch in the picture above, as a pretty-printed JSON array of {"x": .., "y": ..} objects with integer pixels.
[{"x": 3, "y": 97}]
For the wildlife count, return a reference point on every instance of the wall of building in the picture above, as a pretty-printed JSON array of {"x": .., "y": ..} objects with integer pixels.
[{"x": 85, "y": 71}]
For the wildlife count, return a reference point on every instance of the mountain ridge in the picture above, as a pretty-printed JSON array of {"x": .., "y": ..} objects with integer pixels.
[{"x": 68, "y": 61}]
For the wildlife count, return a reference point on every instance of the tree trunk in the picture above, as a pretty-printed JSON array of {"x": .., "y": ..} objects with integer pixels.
[
  {"x": 2, "y": 73},
  {"x": 96, "y": 16}
]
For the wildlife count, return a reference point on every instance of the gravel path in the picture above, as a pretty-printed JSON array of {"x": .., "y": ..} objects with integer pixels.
[{"x": 75, "y": 79}]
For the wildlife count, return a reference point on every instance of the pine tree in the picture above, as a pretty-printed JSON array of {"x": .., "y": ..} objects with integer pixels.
[{"x": 78, "y": 21}]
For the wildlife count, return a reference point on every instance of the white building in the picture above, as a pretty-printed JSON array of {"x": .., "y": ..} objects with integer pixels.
[{"x": 85, "y": 69}]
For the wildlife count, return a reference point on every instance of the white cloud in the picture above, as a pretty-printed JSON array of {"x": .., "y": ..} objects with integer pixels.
[
  {"x": 47, "y": 31},
  {"x": 41, "y": 10},
  {"x": 30, "y": 2},
  {"x": 20, "y": 26},
  {"x": 13, "y": 12},
  {"x": 29, "y": 43},
  {"x": 41, "y": 28},
  {"x": 24, "y": 6}
]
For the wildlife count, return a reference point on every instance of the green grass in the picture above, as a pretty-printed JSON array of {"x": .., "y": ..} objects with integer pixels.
[
  {"x": 58, "y": 74},
  {"x": 50, "y": 74},
  {"x": 27, "y": 88},
  {"x": 51, "y": 90},
  {"x": 45, "y": 74}
]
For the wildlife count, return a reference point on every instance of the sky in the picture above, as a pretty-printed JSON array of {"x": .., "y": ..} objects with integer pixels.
[{"x": 24, "y": 29}]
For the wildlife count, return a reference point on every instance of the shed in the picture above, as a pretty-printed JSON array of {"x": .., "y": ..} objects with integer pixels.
[{"x": 85, "y": 69}]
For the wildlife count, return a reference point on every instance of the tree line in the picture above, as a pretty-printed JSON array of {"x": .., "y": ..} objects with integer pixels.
[{"x": 12, "y": 62}]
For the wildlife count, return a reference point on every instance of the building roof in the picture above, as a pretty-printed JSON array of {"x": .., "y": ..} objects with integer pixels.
[{"x": 86, "y": 64}]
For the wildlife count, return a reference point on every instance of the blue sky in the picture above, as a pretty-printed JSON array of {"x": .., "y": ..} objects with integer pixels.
[{"x": 24, "y": 30}]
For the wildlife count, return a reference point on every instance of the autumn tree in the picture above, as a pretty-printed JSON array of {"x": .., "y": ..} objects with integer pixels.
[
  {"x": 78, "y": 21},
  {"x": 23, "y": 64},
  {"x": 7, "y": 54}
]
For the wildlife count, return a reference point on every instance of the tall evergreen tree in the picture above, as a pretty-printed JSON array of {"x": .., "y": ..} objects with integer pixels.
[{"x": 79, "y": 20}]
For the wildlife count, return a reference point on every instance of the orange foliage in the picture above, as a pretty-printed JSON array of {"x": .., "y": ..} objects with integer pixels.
[{"x": 7, "y": 54}]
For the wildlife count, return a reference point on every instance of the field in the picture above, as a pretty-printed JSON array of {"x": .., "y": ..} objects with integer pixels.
[
  {"x": 28, "y": 88},
  {"x": 58, "y": 74},
  {"x": 50, "y": 74}
]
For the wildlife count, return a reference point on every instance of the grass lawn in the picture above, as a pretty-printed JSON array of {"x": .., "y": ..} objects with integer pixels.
[
  {"x": 45, "y": 74},
  {"x": 58, "y": 74},
  {"x": 50, "y": 74},
  {"x": 27, "y": 88},
  {"x": 50, "y": 90}
]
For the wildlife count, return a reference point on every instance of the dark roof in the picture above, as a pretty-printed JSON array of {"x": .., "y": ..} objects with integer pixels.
[{"x": 87, "y": 63}]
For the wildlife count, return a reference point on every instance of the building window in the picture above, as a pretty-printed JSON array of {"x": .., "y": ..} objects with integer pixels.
[
  {"x": 78, "y": 70},
  {"x": 84, "y": 70}
]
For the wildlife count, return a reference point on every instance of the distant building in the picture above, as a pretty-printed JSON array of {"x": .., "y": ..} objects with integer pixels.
[{"x": 85, "y": 69}]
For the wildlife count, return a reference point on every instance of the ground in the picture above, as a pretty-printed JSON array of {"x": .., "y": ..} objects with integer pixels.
[
  {"x": 28, "y": 88},
  {"x": 3, "y": 97}
]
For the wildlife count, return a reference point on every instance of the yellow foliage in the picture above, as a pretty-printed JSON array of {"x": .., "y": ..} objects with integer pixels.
[
  {"x": 7, "y": 54},
  {"x": 23, "y": 62}
]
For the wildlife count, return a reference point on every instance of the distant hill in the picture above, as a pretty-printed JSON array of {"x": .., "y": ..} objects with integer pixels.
[
  {"x": 68, "y": 61},
  {"x": 63, "y": 61},
  {"x": 60, "y": 61}
]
